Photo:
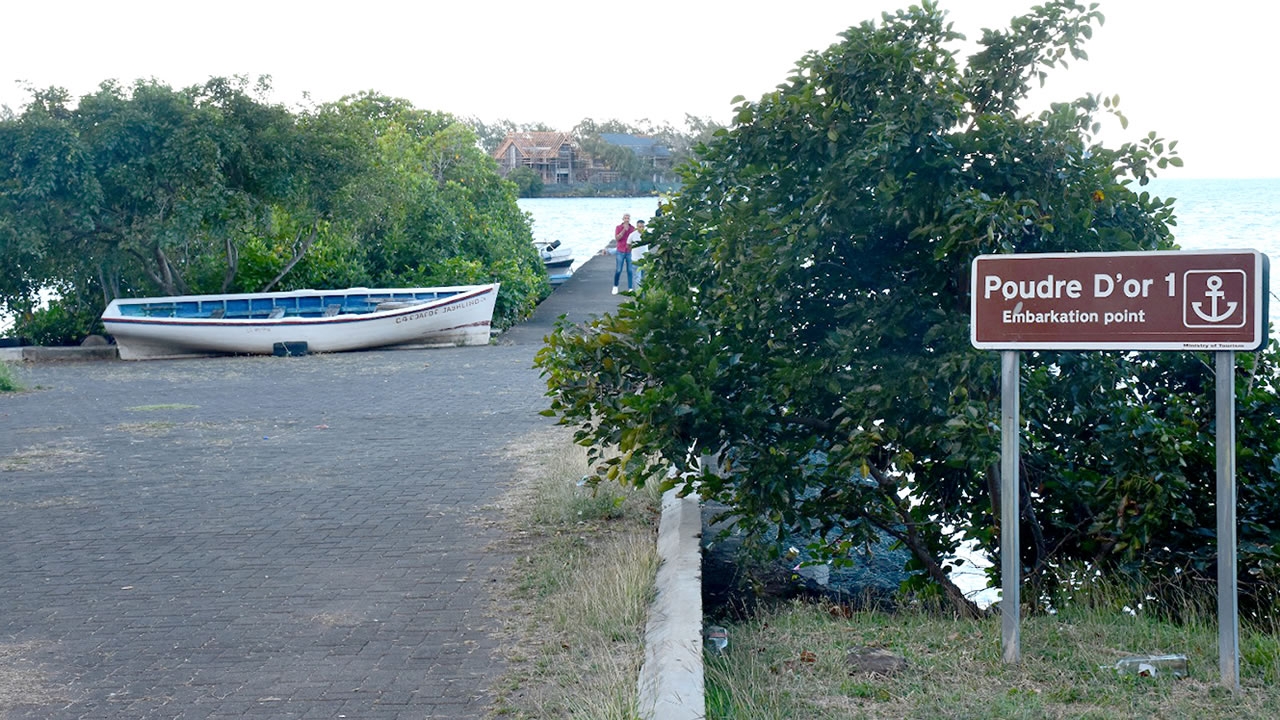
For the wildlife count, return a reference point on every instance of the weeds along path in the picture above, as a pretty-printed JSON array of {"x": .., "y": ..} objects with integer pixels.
[{"x": 583, "y": 566}]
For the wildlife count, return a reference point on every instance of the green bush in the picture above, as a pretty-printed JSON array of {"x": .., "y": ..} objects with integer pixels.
[
  {"x": 63, "y": 322},
  {"x": 208, "y": 189},
  {"x": 806, "y": 319},
  {"x": 528, "y": 183},
  {"x": 333, "y": 260},
  {"x": 9, "y": 378},
  {"x": 523, "y": 287}
]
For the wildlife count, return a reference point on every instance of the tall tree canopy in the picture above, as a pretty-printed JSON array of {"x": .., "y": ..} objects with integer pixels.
[
  {"x": 805, "y": 320},
  {"x": 145, "y": 190},
  {"x": 624, "y": 160}
]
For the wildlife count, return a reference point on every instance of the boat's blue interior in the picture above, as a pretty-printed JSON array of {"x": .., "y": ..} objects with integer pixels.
[{"x": 269, "y": 307}]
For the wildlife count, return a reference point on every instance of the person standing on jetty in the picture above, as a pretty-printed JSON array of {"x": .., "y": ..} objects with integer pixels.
[
  {"x": 634, "y": 241},
  {"x": 623, "y": 251}
]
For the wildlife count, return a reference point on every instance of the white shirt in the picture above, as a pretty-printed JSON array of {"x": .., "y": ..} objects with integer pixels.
[{"x": 637, "y": 250}]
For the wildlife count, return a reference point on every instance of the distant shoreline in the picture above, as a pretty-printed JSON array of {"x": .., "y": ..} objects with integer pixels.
[
  {"x": 592, "y": 197},
  {"x": 588, "y": 196}
]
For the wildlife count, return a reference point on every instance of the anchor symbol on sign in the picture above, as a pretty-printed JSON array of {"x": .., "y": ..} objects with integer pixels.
[{"x": 1214, "y": 294}]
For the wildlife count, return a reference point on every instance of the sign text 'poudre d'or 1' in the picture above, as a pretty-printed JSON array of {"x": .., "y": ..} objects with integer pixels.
[{"x": 1192, "y": 300}]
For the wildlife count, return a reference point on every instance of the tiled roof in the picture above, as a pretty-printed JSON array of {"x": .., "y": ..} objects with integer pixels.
[{"x": 538, "y": 145}]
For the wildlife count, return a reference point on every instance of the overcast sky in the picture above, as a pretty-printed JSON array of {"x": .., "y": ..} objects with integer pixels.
[{"x": 1198, "y": 72}]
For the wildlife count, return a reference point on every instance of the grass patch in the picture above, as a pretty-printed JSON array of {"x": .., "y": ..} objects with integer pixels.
[
  {"x": 48, "y": 456},
  {"x": 9, "y": 378},
  {"x": 168, "y": 406},
  {"x": 60, "y": 501},
  {"x": 23, "y": 683},
  {"x": 584, "y": 567},
  {"x": 790, "y": 663},
  {"x": 147, "y": 428}
]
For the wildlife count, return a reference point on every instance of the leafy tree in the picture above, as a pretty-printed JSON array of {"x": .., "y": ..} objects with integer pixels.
[
  {"x": 805, "y": 322},
  {"x": 436, "y": 204},
  {"x": 132, "y": 188},
  {"x": 490, "y": 135},
  {"x": 624, "y": 160},
  {"x": 681, "y": 142},
  {"x": 621, "y": 160},
  {"x": 528, "y": 182},
  {"x": 146, "y": 190},
  {"x": 46, "y": 182},
  {"x": 588, "y": 127}
]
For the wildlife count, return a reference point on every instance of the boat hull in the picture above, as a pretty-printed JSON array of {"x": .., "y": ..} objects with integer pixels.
[
  {"x": 554, "y": 256},
  {"x": 462, "y": 318}
]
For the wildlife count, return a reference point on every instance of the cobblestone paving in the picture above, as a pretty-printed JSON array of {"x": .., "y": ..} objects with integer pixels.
[{"x": 262, "y": 537}]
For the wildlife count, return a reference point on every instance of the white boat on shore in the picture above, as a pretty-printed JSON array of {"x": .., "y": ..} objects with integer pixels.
[{"x": 325, "y": 320}]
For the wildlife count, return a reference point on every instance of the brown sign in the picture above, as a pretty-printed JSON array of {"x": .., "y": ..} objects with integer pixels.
[{"x": 1211, "y": 300}]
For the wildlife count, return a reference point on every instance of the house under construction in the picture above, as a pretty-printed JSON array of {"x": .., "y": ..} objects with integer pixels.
[
  {"x": 553, "y": 155},
  {"x": 558, "y": 159}
]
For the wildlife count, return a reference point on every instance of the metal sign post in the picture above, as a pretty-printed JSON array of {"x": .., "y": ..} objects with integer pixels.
[
  {"x": 1010, "y": 548},
  {"x": 1200, "y": 300},
  {"x": 1228, "y": 596}
]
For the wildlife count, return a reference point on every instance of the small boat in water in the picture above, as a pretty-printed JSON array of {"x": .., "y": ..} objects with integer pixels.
[
  {"x": 556, "y": 259},
  {"x": 325, "y": 320}
]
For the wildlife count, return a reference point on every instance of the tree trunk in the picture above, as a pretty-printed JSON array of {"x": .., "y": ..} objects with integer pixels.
[
  {"x": 1028, "y": 513},
  {"x": 298, "y": 254},
  {"x": 907, "y": 534},
  {"x": 233, "y": 265},
  {"x": 179, "y": 282},
  {"x": 109, "y": 283},
  {"x": 146, "y": 266},
  {"x": 166, "y": 271},
  {"x": 965, "y": 607}
]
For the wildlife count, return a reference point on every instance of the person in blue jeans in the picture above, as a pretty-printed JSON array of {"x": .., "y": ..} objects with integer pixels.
[{"x": 622, "y": 259}]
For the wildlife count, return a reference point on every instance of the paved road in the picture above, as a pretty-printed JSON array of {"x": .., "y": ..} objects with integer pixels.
[{"x": 263, "y": 537}]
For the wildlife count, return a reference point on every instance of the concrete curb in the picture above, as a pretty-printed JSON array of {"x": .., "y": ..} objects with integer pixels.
[
  {"x": 670, "y": 686},
  {"x": 40, "y": 353}
]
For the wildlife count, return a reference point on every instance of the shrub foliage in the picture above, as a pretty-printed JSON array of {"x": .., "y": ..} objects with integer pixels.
[
  {"x": 805, "y": 321},
  {"x": 143, "y": 190}
]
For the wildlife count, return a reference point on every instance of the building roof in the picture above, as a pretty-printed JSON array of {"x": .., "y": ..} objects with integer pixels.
[
  {"x": 538, "y": 145},
  {"x": 642, "y": 146}
]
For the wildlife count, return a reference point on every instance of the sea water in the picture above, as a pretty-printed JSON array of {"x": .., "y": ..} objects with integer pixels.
[
  {"x": 1224, "y": 214},
  {"x": 1227, "y": 215},
  {"x": 584, "y": 225}
]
